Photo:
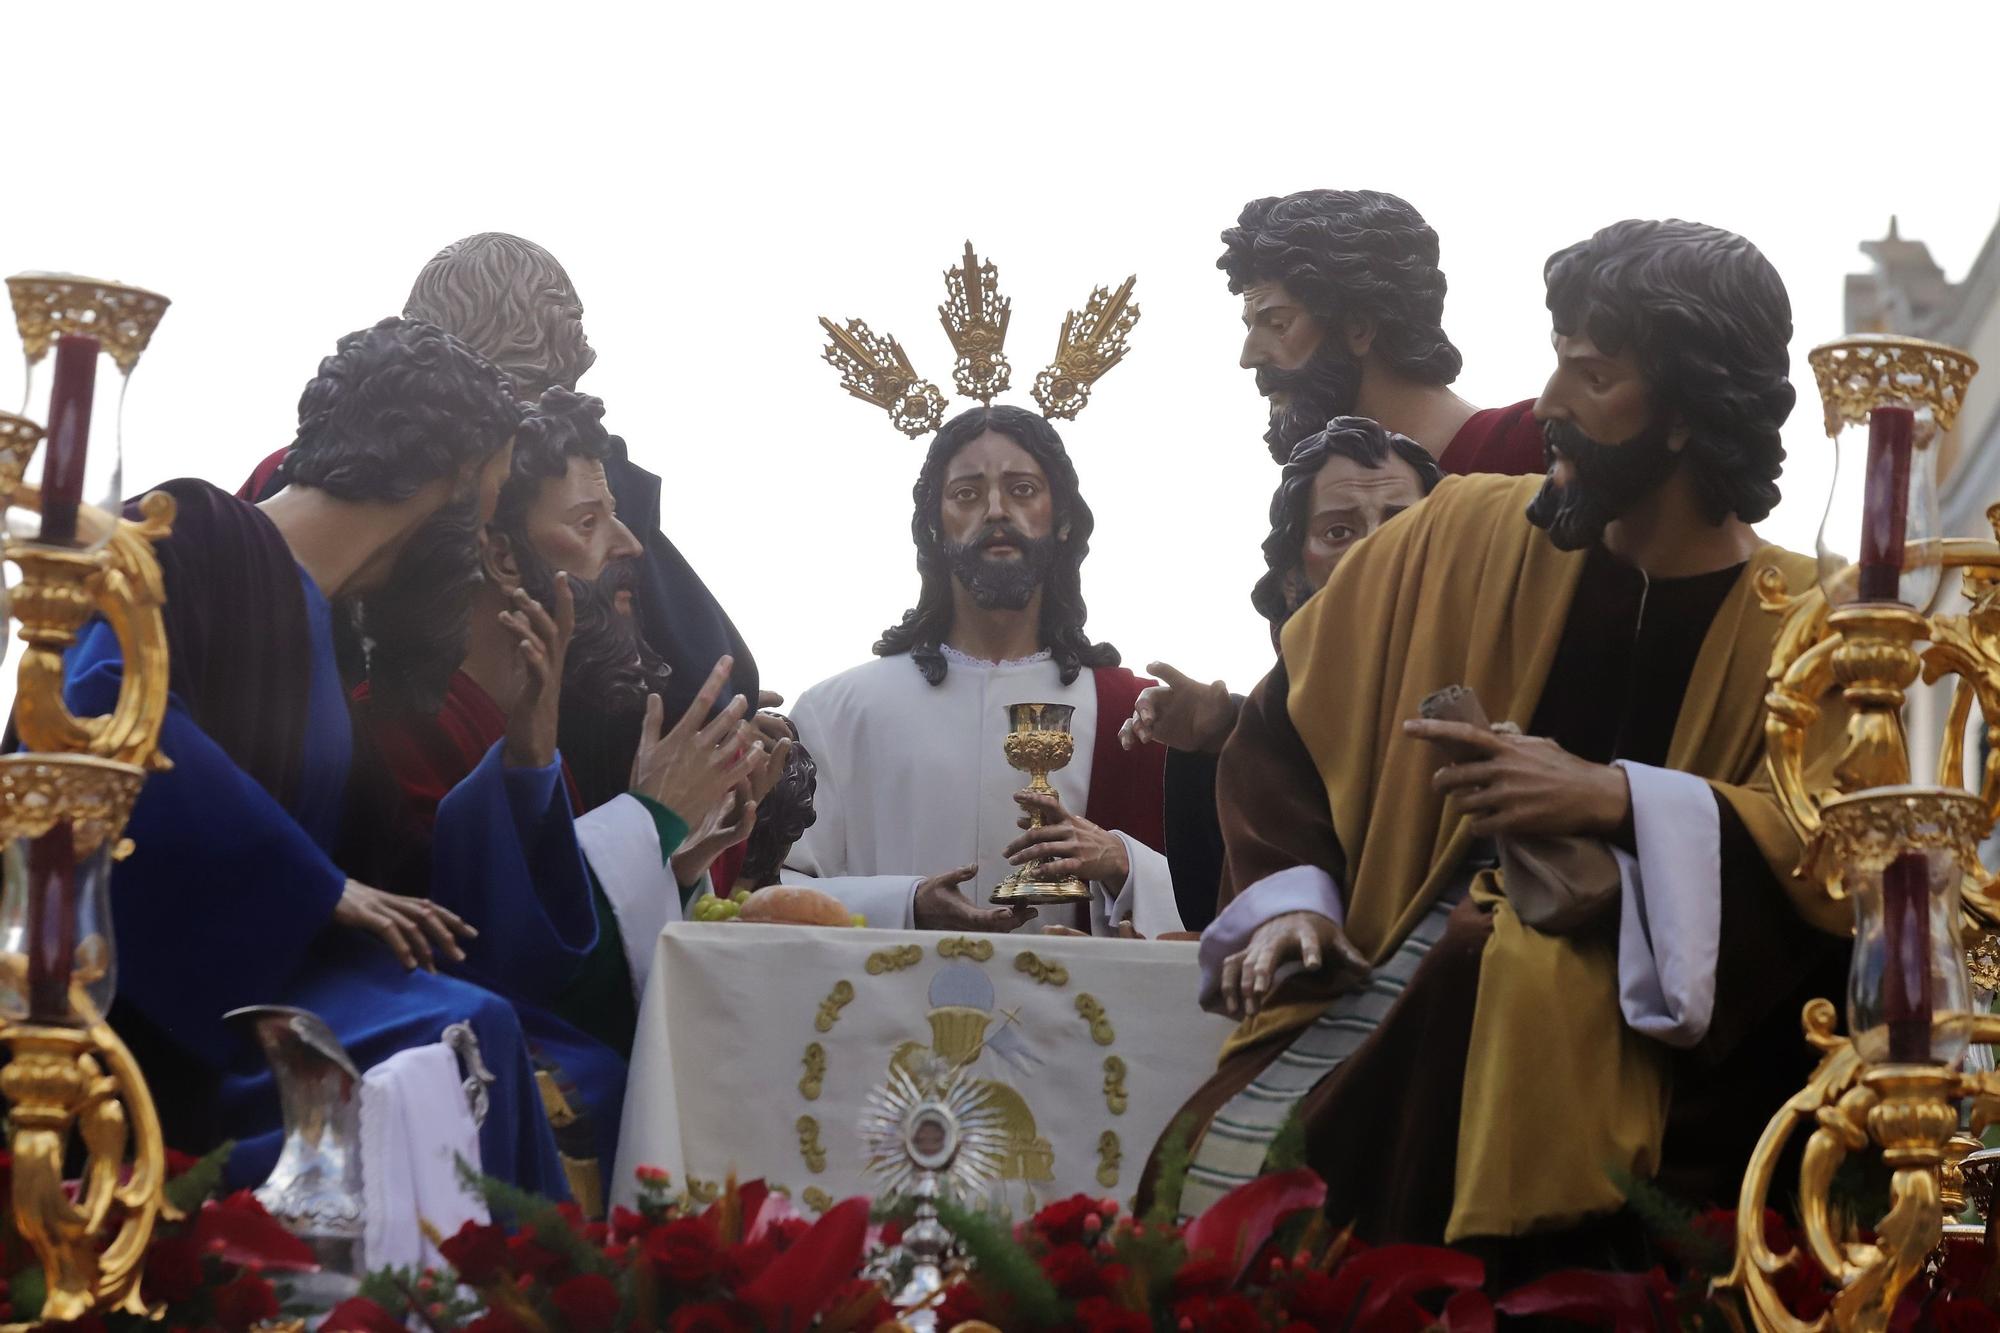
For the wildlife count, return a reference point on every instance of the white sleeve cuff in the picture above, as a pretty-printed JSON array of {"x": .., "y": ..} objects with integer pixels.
[
  {"x": 1670, "y": 908},
  {"x": 1146, "y": 898},
  {"x": 1293, "y": 889},
  {"x": 622, "y": 844}
]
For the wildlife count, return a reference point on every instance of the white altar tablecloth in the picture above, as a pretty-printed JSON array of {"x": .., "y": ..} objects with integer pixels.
[{"x": 758, "y": 1046}]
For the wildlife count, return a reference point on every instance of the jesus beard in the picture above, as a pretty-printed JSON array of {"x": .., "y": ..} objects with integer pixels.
[
  {"x": 1606, "y": 481},
  {"x": 417, "y": 624},
  {"x": 1001, "y": 585},
  {"x": 1325, "y": 387}
]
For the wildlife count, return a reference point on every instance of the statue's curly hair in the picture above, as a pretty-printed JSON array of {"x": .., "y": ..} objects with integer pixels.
[
  {"x": 923, "y": 627},
  {"x": 510, "y": 299},
  {"x": 1348, "y": 254},
  {"x": 396, "y": 407},
  {"x": 1707, "y": 318},
  {"x": 1358, "y": 438}
]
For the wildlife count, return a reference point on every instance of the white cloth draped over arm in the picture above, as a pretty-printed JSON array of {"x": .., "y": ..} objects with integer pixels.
[
  {"x": 1670, "y": 907},
  {"x": 1293, "y": 889},
  {"x": 621, "y": 843},
  {"x": 415, "y": 1124}
]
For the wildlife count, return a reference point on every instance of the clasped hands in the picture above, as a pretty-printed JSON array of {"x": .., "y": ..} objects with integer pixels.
[{"x": 1505, "y": 784}]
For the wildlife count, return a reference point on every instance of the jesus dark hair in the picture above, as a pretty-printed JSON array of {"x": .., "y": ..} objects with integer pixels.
[
  {"x": 396, "y": 407},
  {"x": 1351, "y": 254},
  {"x": 1707, "y": 319},
  {"x": 1358, "y": 438},
  {"x": 923, "y": 628}
]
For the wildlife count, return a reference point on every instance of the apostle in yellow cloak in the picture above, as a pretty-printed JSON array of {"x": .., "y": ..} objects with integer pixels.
[{"x": 1463, "y": 1072}]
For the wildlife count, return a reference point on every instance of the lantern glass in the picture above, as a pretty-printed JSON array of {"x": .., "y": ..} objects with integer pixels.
[
  {"x": 58, "y": 956},
  {"x": 1870, "y": 459},
  {"x": 1908, "y": 998}
]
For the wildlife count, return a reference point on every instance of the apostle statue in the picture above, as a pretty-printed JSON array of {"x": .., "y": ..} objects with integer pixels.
[
  {"x": 1467, "y": 1066},
  {"x": 510, "y": 300},
  {"x": 242, "y": 890},
  {"x": 1343, "y": 307},
  {"x": 916, "y": 806},
  {"x": 567, "y": 898},
  {"x": 1340, "y": 485}
]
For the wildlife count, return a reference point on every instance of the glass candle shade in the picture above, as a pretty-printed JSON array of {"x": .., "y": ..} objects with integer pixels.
[
  {"x": 56, "y": 946},
  {"x": 1904, "y": 854},
  {"x": 80, "y": 339},
  {"x": 1889, "y": 403}
]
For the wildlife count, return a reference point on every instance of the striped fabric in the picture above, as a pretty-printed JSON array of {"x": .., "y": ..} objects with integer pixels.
[{"x": 1239, "y": 1137}]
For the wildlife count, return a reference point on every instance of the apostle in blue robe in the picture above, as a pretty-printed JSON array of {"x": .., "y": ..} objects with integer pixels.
[{"x": 243, "y": 887}]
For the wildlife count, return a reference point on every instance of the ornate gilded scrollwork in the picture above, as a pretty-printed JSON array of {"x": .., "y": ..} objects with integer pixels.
[
  {"x": 1114, "y": 1085},
  {"x": 49, "y": 304},
  {"x": 703, "y": 1192},
  {"x": 877, "y": 370},
  {"x": 810, "y": 1150},
  {"x": 836, "y": 1000},
  {"x": 1109, "y": 1158},
  {"x": 1093, "y": 1013},
  {"x": 814, "y": 1081},
  {"x": 975, "y": 318},
  {"x": 1041, "y": 969},
  {"x": 1909, "y": 1113},
  {"x": 963, "y": 946},
  {"x": 894, "y": 960},
  {"x": 1092, "y": 342},
  {"x": 816, "y": 1198}
]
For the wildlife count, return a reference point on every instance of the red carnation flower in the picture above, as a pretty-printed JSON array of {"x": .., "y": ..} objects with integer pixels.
[
  {"x": 1099, "y": 1315},
  {"x": 495, "y": 1321},
  {"x": 684, "y": 1249},
  {"x": 960, "y": 1305},
  {"x": 860, "y": 1305},
  {"x": 1077, "y": 1274},
  {"x": 1963, "y": 1314},
  {"x": 1314, "y": 1298},
  {"x": 358, "y": 1314},
  {"x": 588, "y": 1302},
  {"x": 173, "y": 1270},
  {"x": 477, "y": 1253},
  {"x": 533, "y": 1260},
  {"x": 710, "y": 1317},
  {"x": 1062, "y": 1221},
  {"x": 1227, "y": 1313},
  {"x": 246, "y": 1301}
]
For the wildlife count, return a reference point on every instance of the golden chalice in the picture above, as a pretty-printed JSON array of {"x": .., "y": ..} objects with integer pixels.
[{"x": 1038, "y": 743}]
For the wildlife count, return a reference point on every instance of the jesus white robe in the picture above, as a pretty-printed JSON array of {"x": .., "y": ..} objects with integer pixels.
[{"x": 914, "y": 782}]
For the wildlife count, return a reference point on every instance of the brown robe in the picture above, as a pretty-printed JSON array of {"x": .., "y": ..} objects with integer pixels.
[{"x": 1555, "y": 1089}]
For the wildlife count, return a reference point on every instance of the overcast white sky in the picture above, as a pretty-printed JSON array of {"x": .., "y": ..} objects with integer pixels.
[{"x": 714, "y": 177}]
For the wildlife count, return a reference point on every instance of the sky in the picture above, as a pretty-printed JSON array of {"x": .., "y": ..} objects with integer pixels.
[{"x": 716, "y": 177}]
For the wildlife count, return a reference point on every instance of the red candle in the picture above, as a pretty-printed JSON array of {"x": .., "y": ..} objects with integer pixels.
[
  {"x": 69, "y": 435},
  {"x": 1885, "y": 506},
  {"x": 1906, "y": 971},
  {"x": 51, "y": 925}
]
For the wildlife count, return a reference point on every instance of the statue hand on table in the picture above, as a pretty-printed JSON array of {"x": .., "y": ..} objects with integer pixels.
[
  {"x": 938, "y": 905},
  {"x": 1306, "y": 938},
  {"x": 544, "y": 643},
  {"x": 1180, "y": 713},
  {"x": 415, "y": 929},
  {"x": 1076, "y": 847}
]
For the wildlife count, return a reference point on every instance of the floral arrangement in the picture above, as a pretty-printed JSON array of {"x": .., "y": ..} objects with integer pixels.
[
  {"x": 220, "y": 1268},
  {"x": 1263, "y": 1260}
]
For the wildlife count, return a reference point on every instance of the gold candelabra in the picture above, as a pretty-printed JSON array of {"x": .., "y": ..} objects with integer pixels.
[
  {"x": 1905, "y": 856},
  {"x": 64, "y": 802}
]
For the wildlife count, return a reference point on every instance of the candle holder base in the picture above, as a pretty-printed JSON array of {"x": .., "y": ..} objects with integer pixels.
[{"x": 1019, "y": 890}]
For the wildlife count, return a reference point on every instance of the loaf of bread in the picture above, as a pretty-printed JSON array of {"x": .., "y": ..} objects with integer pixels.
[{"x": 787, "y": 905}]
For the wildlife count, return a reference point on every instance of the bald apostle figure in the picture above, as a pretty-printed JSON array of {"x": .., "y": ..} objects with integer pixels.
[
  {"x": 1463, "y": 1072},
  {"x": 917, "y": 806}
]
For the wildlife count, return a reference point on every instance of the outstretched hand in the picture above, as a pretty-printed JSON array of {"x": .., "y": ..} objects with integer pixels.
[
  {"x": 695, "y": 765},
  {"x": 1180, "y": 713},
  {"x": 544, "y": 644},
  {"x": 938, "y": 905},
  {"x": 1307, "y": 938}
]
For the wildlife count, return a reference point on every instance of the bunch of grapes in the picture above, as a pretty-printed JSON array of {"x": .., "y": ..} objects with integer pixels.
[{"x": 708, "y": 907}]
